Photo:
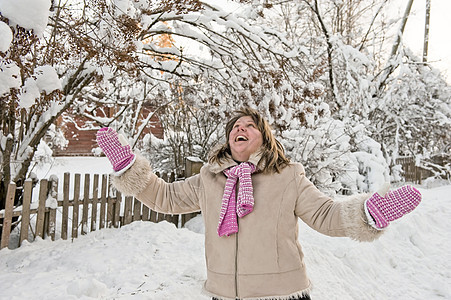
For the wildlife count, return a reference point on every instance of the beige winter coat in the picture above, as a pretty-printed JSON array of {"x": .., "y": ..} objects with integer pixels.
[{"x": 264, "y": 259}]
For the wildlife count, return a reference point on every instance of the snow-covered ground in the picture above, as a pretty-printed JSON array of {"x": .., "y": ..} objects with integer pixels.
[{"x": 145, "y": 260}]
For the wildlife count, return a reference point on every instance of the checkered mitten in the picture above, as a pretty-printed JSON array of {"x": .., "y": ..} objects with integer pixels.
[
  {"x": 116, "y": 148},
  {"x": 393, "y": 205}
]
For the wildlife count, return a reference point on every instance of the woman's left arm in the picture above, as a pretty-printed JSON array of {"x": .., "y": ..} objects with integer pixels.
[{"x": 333, "y": 218}]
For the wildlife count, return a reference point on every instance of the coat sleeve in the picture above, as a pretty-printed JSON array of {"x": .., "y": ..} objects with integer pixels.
[
  {"x": 333, "y": 218},
  {"x": 171, "y": 198}
]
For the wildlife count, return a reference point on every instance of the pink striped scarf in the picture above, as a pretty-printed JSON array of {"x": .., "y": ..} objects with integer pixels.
[{"x": 231, "y": 206}]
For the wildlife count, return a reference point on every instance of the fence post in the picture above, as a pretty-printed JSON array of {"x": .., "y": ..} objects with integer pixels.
[
  {"x": 145, "y": 212},
  {"x": 27, "y": 190},
  {"x": 192, "y": 167},
  {"x": 95, "y": 201},
  {"x": 153, "y": 216},
  {"x": 103, "y": 201},
  {"x": 75, "y": 206},
  {"x": 136, "y": 210},
  {"x": 7, "y": 219},
  {"x": 65, "y": 218},
  {"x": 85, "y": 210},
  {"x": 41, "y": 208},
  {"x": 117, "y": 210},
  {"x": 53, "y": 192},
  {"x": 128, "y": 203},
  {"x": 110, "y": 209}
]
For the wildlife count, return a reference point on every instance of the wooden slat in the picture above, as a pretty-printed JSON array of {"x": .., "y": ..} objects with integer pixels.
[
  {"x": 128, "y": 210},
  {"x": 75, "y": 207},
  {"x": 41, "y": 208},
  {"x": 175, "y": 220},
  {"x": 164, "y": 176},
  {"x": 172, "y": 219},
  {"x": 145, "y": 213},
  {"x": 52, "y": 213},
  {"x": 168, "y": 218},
  {"x": 7, "y": 219},
  {"x": 117, "y": 210},
  {"x": 160, "y": 217},
  {"x": 46, "y": 222},
  {"x": 172, "y": 177},
  {"x": 95, "y": 201},
  {"x": 84, "y": 218},
  {"x": 25, "y": 223},
  {"x": 187, "y": 217},
  {"x": 110, "y": 208},
  {"x": 136, "y": 210},
  {"x": 52, "y": 223},
  {"x": 184, "y": 219},
  {"x": 103, "y": 201},
  {"x": 65, "y": 216},
  {"x": 110, "y": 212},
  {"x": 153, "y": 216}
]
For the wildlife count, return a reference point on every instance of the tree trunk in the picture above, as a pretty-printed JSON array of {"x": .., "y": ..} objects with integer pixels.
[
  {"x": 314, "y": 7},
  {"x": 392, "y": 64}
]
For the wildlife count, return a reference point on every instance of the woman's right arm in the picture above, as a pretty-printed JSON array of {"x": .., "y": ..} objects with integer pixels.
[
  {"x": 134, "y": 177},
  {"x": 171, "y": 198}
]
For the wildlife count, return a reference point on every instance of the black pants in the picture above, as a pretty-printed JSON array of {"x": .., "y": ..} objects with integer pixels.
[{"x": 299, "y": 298}]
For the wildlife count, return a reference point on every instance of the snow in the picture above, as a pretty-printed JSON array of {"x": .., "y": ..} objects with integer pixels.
[
  {"x": 9, "y": 77},
  {"x": 47, "y": 79},
  {"x": 30, "y": 14},
  {"x": 145, "y": 260},
  {"x": 6, "y": 37},
  {"x": 29, "y": 94}
]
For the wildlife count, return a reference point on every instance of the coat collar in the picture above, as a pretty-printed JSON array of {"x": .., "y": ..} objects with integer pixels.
[{"x": 229, "y": 162}]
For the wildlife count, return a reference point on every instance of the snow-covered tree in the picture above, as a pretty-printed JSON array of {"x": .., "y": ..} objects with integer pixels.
[
  {"x": 414, "y": 116},
  {"x": 102, "y": 60},
  {"x": 318, "y": 70}
]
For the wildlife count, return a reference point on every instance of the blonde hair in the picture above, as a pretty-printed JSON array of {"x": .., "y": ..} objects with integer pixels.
[{"x": 273, "y": 157}]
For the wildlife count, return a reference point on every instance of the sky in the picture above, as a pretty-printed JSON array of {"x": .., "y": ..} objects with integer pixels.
[{"x": 439, "y": 50}]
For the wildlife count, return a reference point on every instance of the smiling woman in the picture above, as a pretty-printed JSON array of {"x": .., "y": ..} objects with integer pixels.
[
  {"x": 251, "y": 197},
  {"x": 248, "y": 124},
  {"x": 244, "y": 139}
]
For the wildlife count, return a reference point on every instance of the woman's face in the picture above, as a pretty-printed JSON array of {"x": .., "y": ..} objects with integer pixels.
[{"x": 244, "y": 139}]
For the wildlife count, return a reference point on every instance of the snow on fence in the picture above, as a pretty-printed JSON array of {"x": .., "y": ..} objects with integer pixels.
[{"x": 83, "y": 207}]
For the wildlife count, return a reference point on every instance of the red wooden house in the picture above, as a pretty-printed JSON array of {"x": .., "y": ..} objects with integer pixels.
[{"x": 82, "y": 142}]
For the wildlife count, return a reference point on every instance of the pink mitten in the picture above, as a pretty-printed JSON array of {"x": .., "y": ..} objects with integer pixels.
[
  {"x": 118, "y": 152},
  {"x": 393, "y": 205}
]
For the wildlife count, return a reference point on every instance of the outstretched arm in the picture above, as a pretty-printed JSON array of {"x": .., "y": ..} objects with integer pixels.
[
  {"x": 134, "y": 177},
  {"x": 360, "y": 217}
]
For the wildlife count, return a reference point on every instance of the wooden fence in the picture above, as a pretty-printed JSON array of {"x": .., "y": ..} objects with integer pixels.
[
  {"x": 82, "y": 208},
  {"x": 410, "y": 171},
  {"x": 413, "y": 173},
  {"x": 94, "y": 205}
]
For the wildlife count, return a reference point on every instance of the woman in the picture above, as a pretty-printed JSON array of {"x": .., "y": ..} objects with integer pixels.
[{"x": 251, "y": 197}]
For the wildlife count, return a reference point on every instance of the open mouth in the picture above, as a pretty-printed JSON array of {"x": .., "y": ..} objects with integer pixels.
[{"x": 241, "y": 138}]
